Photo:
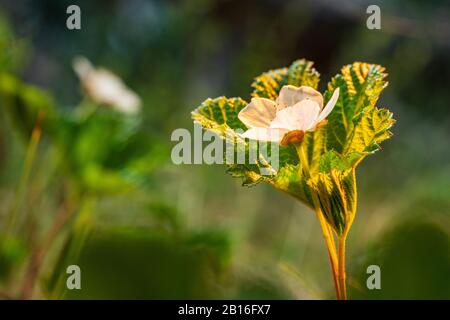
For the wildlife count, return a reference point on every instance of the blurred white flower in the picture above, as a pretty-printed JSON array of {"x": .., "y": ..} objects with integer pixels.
[
  {"x": 104, "y": 87},
  {"x": 296, "y": 111}
]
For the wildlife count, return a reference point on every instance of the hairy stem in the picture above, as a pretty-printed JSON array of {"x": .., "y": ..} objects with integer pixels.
[
  {"x": 331, "y": 247},
  {"x": 326, "y": 229}
]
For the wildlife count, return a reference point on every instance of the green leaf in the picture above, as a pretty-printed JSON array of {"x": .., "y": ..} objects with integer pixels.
[
  {"x": 220, "y": 113},
  {"x": 335, "y": 188},
  {"x": 249, "y": 177},
  {"x": 125, "y": 158},
  {"x": 26, "y": 103},
  {"x": 268, "y": 84},
  {"x": 315, "y": 145},
  {"x": 302, "y": 73},
  {"x": 336, "y": 197},
  {"x": 331, "y": 160},
  {"x": 371, "y": 130},
  {"x": 290, "y": 179},
  {"x": 220, "y": 116},
  {"x": 355, "y": 128},
  {"x": 360, "y": 85}
]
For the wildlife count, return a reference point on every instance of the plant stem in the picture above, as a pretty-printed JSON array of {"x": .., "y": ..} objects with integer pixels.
[
  {"x": 331, "y": 247},
  {"x": 38, "y": 255},
  {"x": 29, "y": 160},
  {"x": 303, "y": 158},
  {"x": 341, "y": 258},
  {"x": 81, "y": 227},
  {"x": 326, "y": 229}
]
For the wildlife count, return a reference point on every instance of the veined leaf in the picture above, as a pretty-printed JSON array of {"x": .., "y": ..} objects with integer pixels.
[
  {"x": 331, "y": 160},
  {"x": 336, "y": 197},
  {"x": 371, "y": 130},
  {"x": 220, "y": 116},
  {"x": 213, "y": 113},
  {"x": 302, "y": 73},
  {"x": 315, "y": 145},
  {"x": 290, "y": 179},
  {"x": 268, "y": 84},
  {"x": 360, "y": 86},
  {"x": 335, "y": 188}
]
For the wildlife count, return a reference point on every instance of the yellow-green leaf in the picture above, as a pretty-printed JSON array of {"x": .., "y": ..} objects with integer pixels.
[
  {"x": 360, "y": 85},
  {"x": 371, "y": 130},
  {"x": 268, "y": 84},
  {"x": 336, "y": 197}
]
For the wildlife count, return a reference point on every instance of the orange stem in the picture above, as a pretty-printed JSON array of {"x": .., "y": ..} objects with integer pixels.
[{"x": 331, "y": 247}]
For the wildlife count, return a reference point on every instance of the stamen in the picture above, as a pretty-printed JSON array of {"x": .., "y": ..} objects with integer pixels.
[
  {"x": 322, "y": 123},
  {"x": 292, "y": 136}
]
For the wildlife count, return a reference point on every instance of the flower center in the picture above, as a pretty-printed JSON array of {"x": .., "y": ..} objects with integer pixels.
[{"x": 292, "y": 136}]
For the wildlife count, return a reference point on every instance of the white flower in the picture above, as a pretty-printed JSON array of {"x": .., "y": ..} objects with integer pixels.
[
  {"x": 104, "y": 87},
  {"x": 296, "y": 111}
]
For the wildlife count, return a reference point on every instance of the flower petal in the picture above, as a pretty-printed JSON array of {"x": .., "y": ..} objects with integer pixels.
[
  {"x": 105, "y": 87},
  {"x": 330, "y": 105},
  {"x": 302, "y": 116},
  {"x": 290, "y": 95},
  {"x": 258, "y": 113},
  {"x": 265, "y": 134},
  {"x": 82, "y": 66}
]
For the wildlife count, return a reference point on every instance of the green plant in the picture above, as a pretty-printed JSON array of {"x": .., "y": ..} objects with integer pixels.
[
  {"x": 96, "y": 150},
  {"x": 317, "y": 159}
]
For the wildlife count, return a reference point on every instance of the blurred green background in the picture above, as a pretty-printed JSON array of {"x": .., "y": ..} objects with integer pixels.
[{"x": 141, "y": 227}]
